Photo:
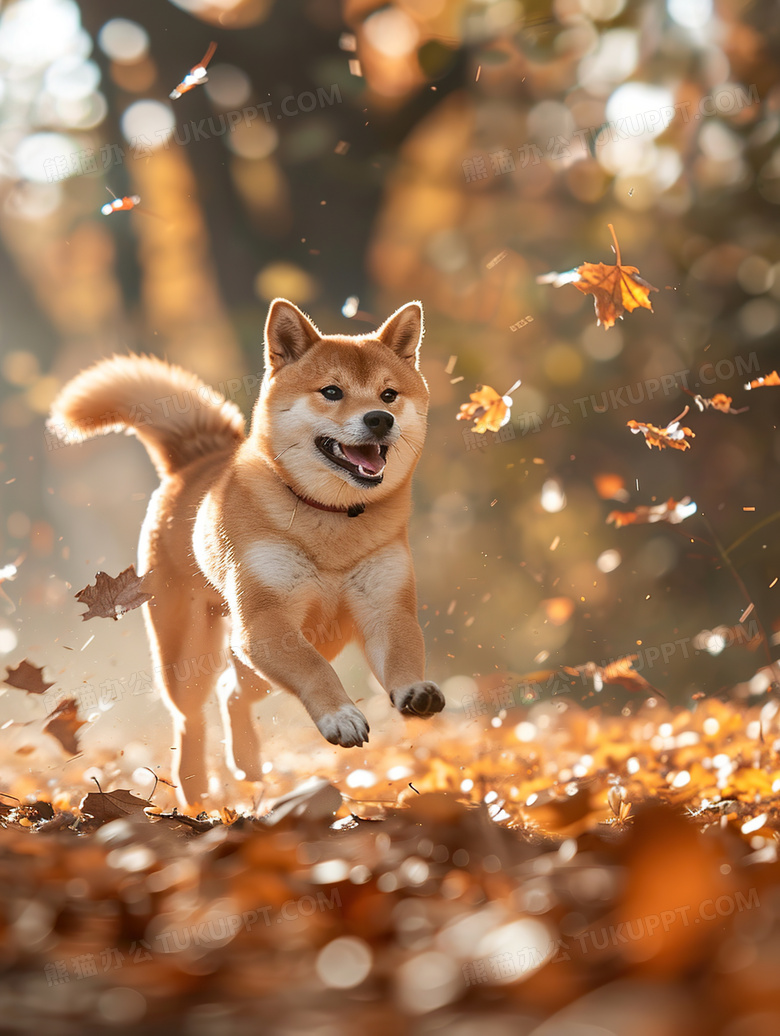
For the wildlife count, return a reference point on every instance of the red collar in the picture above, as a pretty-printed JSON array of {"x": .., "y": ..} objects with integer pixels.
[{"x": 352, "y": 512}]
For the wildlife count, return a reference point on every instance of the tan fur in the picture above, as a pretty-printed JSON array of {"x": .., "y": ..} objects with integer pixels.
[
  {"x": 135, "y": 393},
  {"x": 234, "y": 548}
]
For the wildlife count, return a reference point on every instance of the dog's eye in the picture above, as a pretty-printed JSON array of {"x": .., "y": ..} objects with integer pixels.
[
  {"x": 389, "y": 396},
  {"x": 332, "y": 392}
]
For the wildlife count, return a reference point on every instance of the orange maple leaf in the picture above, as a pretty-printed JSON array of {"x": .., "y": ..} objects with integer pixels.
[
  {"x": 673, "y": 435},
  {"x": 719, "y": 401},
  {"x": 620, "y": 671},
  {"x": 615, "y": 289},
  {"x": 488, "y": 410},
  {"x": 765, "y": 382},
  {"x": 673, "y": 511}
]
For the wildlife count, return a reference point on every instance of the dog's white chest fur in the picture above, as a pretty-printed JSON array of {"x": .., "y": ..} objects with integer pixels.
[{"x": 280, "y": 567}]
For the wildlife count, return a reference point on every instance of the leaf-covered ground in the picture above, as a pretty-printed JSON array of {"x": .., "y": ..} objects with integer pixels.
[{"x": 554, "y": 872}]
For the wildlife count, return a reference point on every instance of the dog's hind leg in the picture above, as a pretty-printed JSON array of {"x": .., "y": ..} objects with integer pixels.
[
  {"x": 188, "y": 645},
  {"x": 238, "y": 691}
]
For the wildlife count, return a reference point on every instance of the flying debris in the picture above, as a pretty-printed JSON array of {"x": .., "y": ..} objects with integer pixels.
[
  {"x": 196, "y": 75},
  {"x": 120, "y": 204}
]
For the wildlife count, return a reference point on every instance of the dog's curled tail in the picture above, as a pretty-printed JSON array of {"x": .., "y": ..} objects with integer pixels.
[{"x": 177, "y": 417}]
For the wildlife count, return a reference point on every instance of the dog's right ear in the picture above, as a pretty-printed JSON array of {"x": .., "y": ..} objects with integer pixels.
[{"x": 288, "y": 334}]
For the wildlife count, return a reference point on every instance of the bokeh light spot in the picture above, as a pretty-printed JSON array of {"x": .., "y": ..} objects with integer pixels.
[
  {"x": 123, "y": 40},
  {"x": 253, "y": 140},
  {"x": 35, "y": 32},
  {"x": 71, "y": 78},
  {"x": 693, "y": 14},
  {"x": 391, "y": 31},
  {"x": 608, "y": 560},
  {"x": 285, "y": 280},
  {"x": 344, "y": 963},
  {"x": 601, "y": 346},
  {"x": 8, "y": 641},
  {"x": 39, "y": 156},
  {"x": 228, "y": 86},
  {"x": 553, "y": 498},
  {"x": 562, "y": 364},
  {"x": 151, "y": 120}
]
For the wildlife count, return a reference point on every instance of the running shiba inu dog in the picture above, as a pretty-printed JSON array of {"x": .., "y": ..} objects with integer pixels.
[{"x": 263, "y": 538}]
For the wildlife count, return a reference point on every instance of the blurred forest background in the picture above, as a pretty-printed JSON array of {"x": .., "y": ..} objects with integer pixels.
[{"x": 354, "y": 155}]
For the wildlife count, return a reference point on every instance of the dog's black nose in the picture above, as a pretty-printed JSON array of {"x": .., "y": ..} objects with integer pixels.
[{"x": 379, "y": 422}]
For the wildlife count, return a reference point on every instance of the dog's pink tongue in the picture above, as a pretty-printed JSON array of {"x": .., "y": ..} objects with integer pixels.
[{"x": 368, "y": 457}]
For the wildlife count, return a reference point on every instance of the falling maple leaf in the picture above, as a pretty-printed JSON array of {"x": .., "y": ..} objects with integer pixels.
[
  {"x": 620, "y": 672},
  {"x": 111, "y": 596},
  {"x": 615, "y": 289},
  {"x": 487, "y": 409},
  {"x": 673, "y": 511},
  {"x": 718, "y": 402},
  {"x": 27, "y": 677},
  {"x": 64, "y": 724},
  {"x": 673, "y": 435},
  {"x": 764, "y": 382}
]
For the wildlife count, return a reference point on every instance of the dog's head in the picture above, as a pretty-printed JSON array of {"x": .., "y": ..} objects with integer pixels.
[{"x": 342, "y": 418}]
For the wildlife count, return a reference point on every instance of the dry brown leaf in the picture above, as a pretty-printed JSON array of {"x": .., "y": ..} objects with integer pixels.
[
  {"x": 105, "y": 806},
  {"x": 111, "y": 596},
  {"x": 64, "y": 724},
  {"x": 27, "y": 677},
  {"x": 315, "y": 799}
]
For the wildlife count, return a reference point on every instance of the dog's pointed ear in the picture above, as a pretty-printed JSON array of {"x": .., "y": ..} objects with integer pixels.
[
  {"x": 403, "y": 332},
  {"x": 288, "y": 334}
]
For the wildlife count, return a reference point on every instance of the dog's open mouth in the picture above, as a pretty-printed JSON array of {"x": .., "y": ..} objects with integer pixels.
[{"x": 365, "y": 462}]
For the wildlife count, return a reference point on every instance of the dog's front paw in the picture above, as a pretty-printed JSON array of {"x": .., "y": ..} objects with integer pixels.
[
  {"x": 347, "y": 726},
  {"x": 418, "y": 699}
]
